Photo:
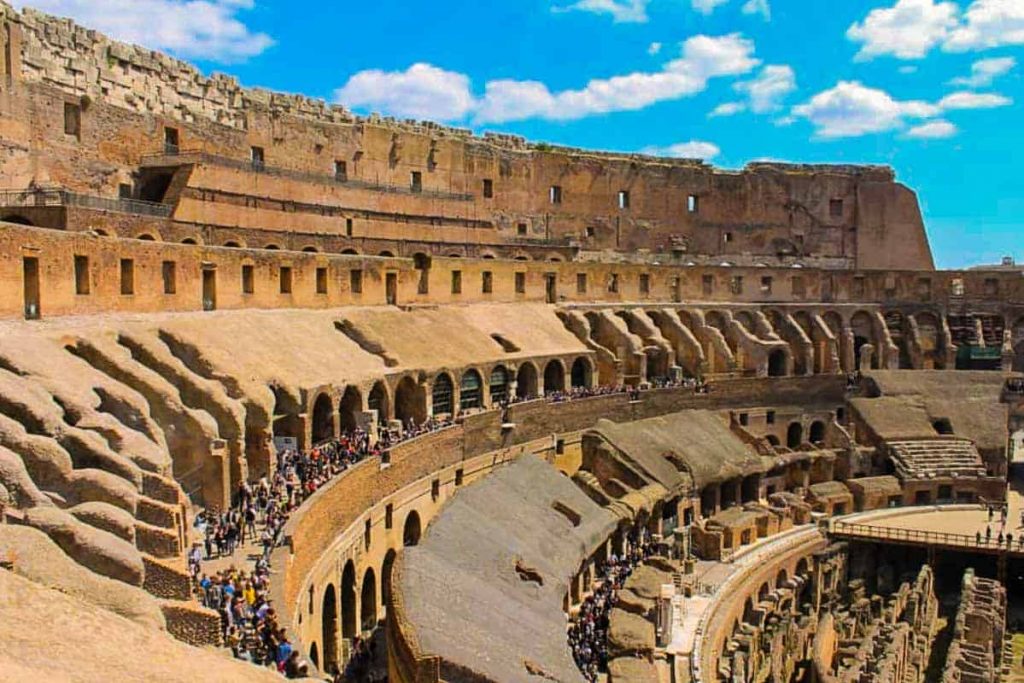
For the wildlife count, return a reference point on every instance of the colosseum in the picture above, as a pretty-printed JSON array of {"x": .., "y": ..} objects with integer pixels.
[{"x": 288, "y": 390}]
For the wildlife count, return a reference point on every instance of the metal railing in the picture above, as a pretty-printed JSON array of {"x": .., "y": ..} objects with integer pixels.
[
  {"x": 260, "y": 166},
  {"x": 920, "y": 537},
  {"x": 10, "y": 199}
]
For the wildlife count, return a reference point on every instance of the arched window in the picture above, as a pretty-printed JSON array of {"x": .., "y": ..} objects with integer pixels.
[
  {"x": 368, "y": 600},
  {"x": 554, "y": 377},
  {"x": 329, "y": 626},
  {"x": 499, "y": 385},
  {"x": 411, "y": 530},
  {"x": 526, "y": 381},
  {"x": 351, "y": 405},
  {"x": 323, "y": 419},
  {"x": 442, "y": 394},
  {"x": 470, "y": 395},
  {"x": 795, "y": 435},
  {"x": 410, "y": 402},
  {"x": 378, "y": 400},
  {"x": 348, "y": 601},
  {"x": 580, "y": 373},
  {"x": 817, "y": 433}
]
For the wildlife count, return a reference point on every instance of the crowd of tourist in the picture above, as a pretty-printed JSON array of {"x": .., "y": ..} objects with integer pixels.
[
  {"x": 575, "y": 393},
  {"x": 248, "y": 620},
  {"x": 588, "y": 634}
]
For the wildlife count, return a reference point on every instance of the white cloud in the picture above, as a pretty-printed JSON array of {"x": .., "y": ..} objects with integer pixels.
[
  {"x": 653, "y": 49},
  {"x": 707, "y": 6},
  {"x": 851, "y": 109},
  {"x": 933, "y": 130},
  {"x": 194, "y": 29},
  {"x": 907, "y": 30},
  {"x": 771, "y": 86},
  {"x": 988, "y": 24},
  {"x": 728, "y": 109},
  {"x": 426, "y": 91},
  {"x": 703, "y": 58},
  {"x": 694, "y": 149},
  {"x": 422, "y": 91},
  {"x": 973, "y": 100},
  {"x": 985, "y": 71},
  {"x": 758, "y": 7},
  {"x": 621, "y": 11}
]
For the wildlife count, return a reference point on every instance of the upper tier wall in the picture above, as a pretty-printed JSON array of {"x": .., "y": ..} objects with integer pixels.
[
  {"x": 87, "y": 113},
  {"x": 53, "y": 273}
]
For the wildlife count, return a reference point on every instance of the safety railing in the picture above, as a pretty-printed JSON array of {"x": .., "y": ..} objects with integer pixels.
[
  {"x": 59, "y": 197},
  {"x": 933, "y": 538}
]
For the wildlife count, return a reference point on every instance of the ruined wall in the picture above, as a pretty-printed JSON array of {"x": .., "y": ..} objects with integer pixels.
[{"x": 126, "y": 97}]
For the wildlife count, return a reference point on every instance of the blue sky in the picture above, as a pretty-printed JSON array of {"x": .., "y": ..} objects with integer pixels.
[{"x": 931, "y": 87}]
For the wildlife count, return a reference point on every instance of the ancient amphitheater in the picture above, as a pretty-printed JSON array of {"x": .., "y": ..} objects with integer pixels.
[{"x": 287, "y": 389}]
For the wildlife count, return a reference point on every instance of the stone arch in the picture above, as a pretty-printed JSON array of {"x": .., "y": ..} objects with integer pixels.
[
  {"x": 773, "y": 440},
  {"x": 349, "y": 622},
  {"x": 763, "y": 592},
  {"x": 378, "y": 400},
  {"x": 314, "y": 655},
  {"x": 521, "y": 257},
  {"x": 803, "y": 567},
  {"x": 272, "y": 247},
  {"x": 286, "y": 414},
  {"x": 329, "y": 626},
  {"x": 748, "y": 612},
  {"x": 488, "y": 256},
  {"x": 777, "y": 363},
  {"x": 349, "y": 407},
  {"x": 471, "y": 393},
  {"x": 744, "y": 318},
  {"x": 526, "y": 381},
  {"x": 146, "y": 237},
  {"x": 410, "y": 401},
  {"x": 794, "y": 435},
  {"x": 232, "y": 244},
  {"x": 310, "y": 249},
  {"x": 386, "y": 569},
  {"x": 17, "y": 219},
  {"x": 387, "y": 254},
  {"x": 580, "y": 374},
  {"x": 411, "y": 530},
  {"x": 442, "y": 394},
  {"x": 781, "y": 578},
  {"x": 498, "y": 385},
  {"x": 323, "y": 419},
  {"x": 190, "y": 241},
  {"x": 716, "y": 320},
  {"x": 368, "y": 601},
  {"x": 816, "y": 434},
  {"x": 350, "y": 252},
  {"x": 863, "y": 333},
  {"x": 554, "y": 376}
]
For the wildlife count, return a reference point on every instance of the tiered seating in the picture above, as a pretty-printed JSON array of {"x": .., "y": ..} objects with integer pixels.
[
  {"x": 962, "y": 330},
  {"x": 931, "y": 458}
]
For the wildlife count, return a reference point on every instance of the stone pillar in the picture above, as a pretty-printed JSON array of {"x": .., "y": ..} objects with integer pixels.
[{"x": 367, "y": 421}]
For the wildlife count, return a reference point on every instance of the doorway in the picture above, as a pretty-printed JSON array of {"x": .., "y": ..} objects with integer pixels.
[
  {"x": 209, "y": 290},
  {"x": 31, "y": 271},
  {"x": 391, "y": 288}
]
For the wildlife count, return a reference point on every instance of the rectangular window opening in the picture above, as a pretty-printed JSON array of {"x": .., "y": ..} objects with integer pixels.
[
  {"x": 340, "y": 171},
  {"x": 389, "y": 516},
  {"x": 416, "y": 181},
  {"x": 355, "y": 281},
  {"x": 521, "y": 229},
  {"x": 736, "y": 284},
  {"x": 487, "y": 283},
  {"x": 835, "y": 208},
  {"x": 257, "y": 157},
  {"x": 766, "y": 284},
  {"x": 799, "y": 288},
  {"x": 623, "y": 199},
  {"x": 321, "y": 280},
  {"x": 456, "y": 282},
  {"x": 645, "y": 284},
  {"x": 488, "y": 188},
  {"x": 348, "y": 227},
  {"x": 555, "y": 194},
  {"x": 707, "y": 284},
  {"x": 169, "y": 271},
  {"x": 613, "y": 283},
  {"x": 520, "y": 283},
  {"x": 248, "y": 279},
  {"x": 81, "y": 275},
  {"x": 127, "y": 276},
  {"x": 171, "y": 141},
  {"x": 581, "y": 283},
  {"x": 286, "y": 279},
  {"x": 693, "y": 204},
  {"x": 73, "y": 120}
]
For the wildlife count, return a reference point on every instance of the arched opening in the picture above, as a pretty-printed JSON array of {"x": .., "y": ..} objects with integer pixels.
[
  {"x": 773, "y": 440},
  {"x": 378, "y": 401},
  {"x": 488, "y": 256},
  {"x": 795, "y": 435},
  {"x": 410, "y": 403},
  {"x": 146, "y": 237},
  {"x": 348, "y": 601},
  {"x": 454, "y": 254},
  {"x": 470, "y": 391},
  {"x": 286, "y": 415},
  {"x": 817, "y": 432},
  {"x": 863, "y": 334},
  {"x": 526, "y": 381},
  {"x": 368, "y": 601},
  {"x": 499, "y": 385},
  {"x": 781, "y": 579},
  {"x": 351, "y": 405},
  {"x": 314, "y": 655},
  {"x": 441, "y": 394},
  {"x": 329, "y": 626},
  {"x": 272, "y": 247},
  {"x": 1018, "y": 358},
  {"x": 777, "y": 363},
  {"x": 748, "y": 611},
  {"x": 763, "y": 592},
  {"x": 17, "y": 219},
  {"x": 385, "y": 577},
  {"x": 554, "y": 377},
  {"x": 323, "y": 419},
  {"x": 350, "y": 252},
  {"x": 579, "y": 375},
  {"x": 189, "y": 240},
  {"x": 232, "y": 244},
  {"x": 411, "y": 529},
  {"x": 386, "y": 254}
]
